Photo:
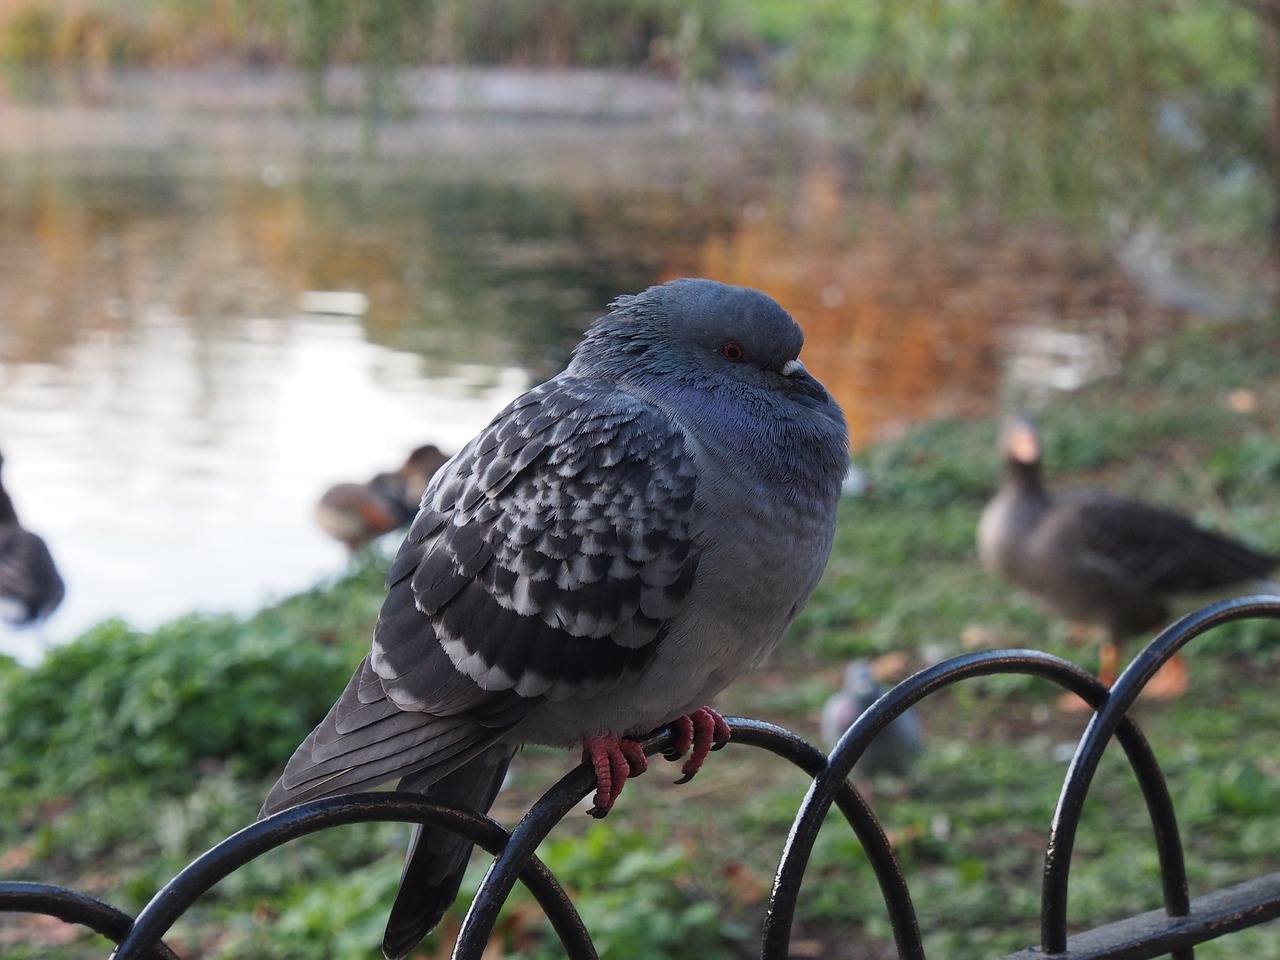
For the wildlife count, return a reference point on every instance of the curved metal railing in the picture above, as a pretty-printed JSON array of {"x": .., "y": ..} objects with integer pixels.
[{"x": 1175, "y": 930}]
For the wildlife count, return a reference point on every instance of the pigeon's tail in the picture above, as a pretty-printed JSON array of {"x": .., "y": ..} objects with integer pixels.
[{"x": 437, "y": 857}]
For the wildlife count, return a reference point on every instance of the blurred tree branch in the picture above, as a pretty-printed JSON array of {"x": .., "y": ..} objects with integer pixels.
[{"x": 1115, "y": 114}]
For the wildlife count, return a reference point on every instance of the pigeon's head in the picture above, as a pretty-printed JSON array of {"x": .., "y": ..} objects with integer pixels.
[
  {"x": 860, "y": 684},
  {"x": 701, "y": 330}
]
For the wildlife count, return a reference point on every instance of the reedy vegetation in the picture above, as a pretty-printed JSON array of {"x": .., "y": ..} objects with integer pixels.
[{"x": 1110, "y": 114}]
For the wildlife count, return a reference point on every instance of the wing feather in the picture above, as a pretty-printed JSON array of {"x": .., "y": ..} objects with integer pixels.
[
  {"x": 361, "y": 744},
  {"x": 545, "y": 563},
  {"x": 549, "y": 552}
]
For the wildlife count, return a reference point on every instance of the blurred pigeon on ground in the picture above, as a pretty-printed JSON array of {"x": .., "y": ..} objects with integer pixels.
[
  {"x": 30, "y": 586},
  {"x": 855, "y": 482},
  {"x": 1096, "y": 559},
  {"x": 358, "y": 513},
  {"x": 600, "y": 561},
  {"x": 895, "y": 749}
]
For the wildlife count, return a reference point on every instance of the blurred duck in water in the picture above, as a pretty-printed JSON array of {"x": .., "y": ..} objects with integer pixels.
[
  {"x": 418, "y": 469},
  {"x": 358, "y": 513},
  {"x": 30, "y": 587},
  {"x": 1103, "y": 561},
  {"x": 894, "y": 750}
]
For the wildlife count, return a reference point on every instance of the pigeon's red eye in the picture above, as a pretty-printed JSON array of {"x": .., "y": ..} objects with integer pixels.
[{"x": 733, "y": 352}]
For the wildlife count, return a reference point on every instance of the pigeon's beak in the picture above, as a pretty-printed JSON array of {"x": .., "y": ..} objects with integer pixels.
[{"x": 801, "y": 384}]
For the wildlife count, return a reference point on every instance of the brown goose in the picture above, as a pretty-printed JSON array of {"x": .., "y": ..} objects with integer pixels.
[
  {"x": 30, "y": 587},
  {"x": 358, "y": 513},
  {"x": 1100, "y": 560}
]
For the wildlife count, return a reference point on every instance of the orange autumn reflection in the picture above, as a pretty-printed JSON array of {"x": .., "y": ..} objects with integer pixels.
[{"x": 905, "y": 313}]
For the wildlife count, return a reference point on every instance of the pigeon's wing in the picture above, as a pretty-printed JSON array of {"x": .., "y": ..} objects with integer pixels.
[
  {"x": 548, "y": 556},
  {"x": 1160, "y": 551},
  {"x": 546, "y": 562}
]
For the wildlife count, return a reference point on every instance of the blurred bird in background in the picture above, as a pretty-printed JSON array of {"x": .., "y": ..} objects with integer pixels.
[
  {"x": 30, "y": 586},
  {"x": 1104, "y": 561},
  {"x": 894, "y": 751},
  {"x": 356, "y": 514}
]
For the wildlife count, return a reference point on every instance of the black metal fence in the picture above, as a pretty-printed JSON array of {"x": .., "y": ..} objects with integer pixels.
[{"x": 1176, "y": 930}]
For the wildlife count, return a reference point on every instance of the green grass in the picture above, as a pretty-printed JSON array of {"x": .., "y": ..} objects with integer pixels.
[{"x": 125, "y": 755}]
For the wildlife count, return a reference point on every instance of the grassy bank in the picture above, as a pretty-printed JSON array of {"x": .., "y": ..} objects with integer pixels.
[{"x": 125, "y": 754}]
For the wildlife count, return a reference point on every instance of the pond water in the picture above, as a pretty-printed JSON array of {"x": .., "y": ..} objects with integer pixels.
[{"x": 171, "y": 405}]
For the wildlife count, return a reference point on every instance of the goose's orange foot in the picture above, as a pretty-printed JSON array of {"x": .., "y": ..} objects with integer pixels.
[
  {"x": 1170, "y": 682},
  {"x": 1108, "y": 669}
]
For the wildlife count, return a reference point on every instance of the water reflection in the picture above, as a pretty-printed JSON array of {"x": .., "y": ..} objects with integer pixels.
[
  {"x": 169, "y": 415},
  {"x": 164, "y": 478},
  {"x": 170, "y": 418},
  {"x": 909, "y": 313}
]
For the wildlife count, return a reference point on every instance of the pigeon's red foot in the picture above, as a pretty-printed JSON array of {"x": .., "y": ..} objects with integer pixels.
[
  {"x": 614, "y": 760},
  {"x": 702, "y": 731}
]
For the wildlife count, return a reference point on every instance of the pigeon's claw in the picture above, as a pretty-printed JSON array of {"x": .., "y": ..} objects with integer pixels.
[
  {"x": 682, "y": 738},
  {"x": 614, "y": 760},
  {"x": 697, "y": 734}
]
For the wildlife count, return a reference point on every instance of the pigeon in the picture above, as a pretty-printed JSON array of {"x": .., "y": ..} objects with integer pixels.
[
  {"x": 30, "y": 586},
  {"x": 894, "y": 750},
  {"x": 358, "y": 513},
  {"x": 600, "y": 561},
  {"x": 1096, "y": 559}
]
